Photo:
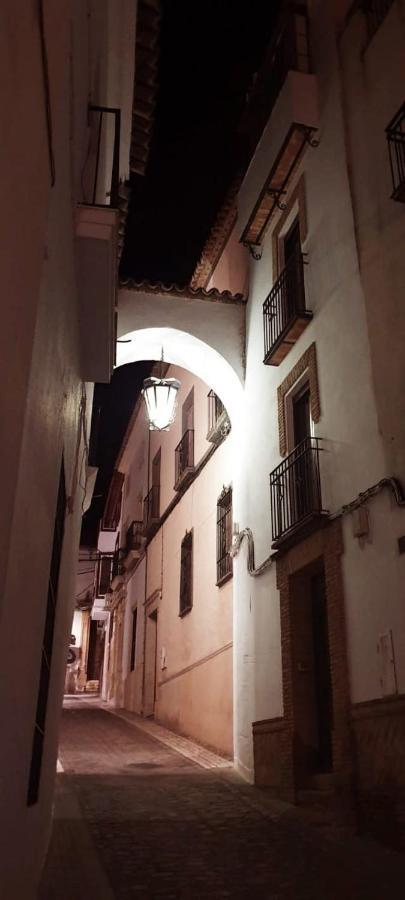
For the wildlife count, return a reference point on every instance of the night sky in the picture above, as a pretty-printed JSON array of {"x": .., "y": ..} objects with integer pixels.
[{"x": 209, "y": 52}]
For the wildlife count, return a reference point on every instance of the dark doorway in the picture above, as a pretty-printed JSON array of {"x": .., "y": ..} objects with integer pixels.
[
  {"x": 301, "y": 415},
  {"x": 96, "y": 652},
  {"x": 292, "y": 268},
  {"x": 322, "y": 676},
  {"x": 312, "y": 687}
]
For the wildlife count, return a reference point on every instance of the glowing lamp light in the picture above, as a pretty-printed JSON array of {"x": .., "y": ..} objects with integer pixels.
[{"x": 160, "y": 395}]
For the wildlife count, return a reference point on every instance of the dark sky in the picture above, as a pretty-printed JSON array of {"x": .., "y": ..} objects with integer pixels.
[{"x": 209, "y": 51}]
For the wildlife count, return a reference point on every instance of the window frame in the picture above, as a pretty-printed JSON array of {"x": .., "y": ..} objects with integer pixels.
[
  {"x": 224, "y": 536},
  {"x": 186, "y": 574},
  {"x": 132, "y": 660}
]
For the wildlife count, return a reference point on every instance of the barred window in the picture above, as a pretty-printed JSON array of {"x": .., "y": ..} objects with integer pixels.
[
  {"x": 224, "y": 535},
  {"x": 186, "y": 574}
]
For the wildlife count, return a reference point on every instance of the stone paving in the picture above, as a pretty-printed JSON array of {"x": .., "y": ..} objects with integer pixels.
[{"x": 136, "y": 819}]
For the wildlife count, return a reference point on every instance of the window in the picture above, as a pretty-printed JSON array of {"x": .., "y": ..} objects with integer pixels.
[
  {"x": 104, "y": 575},
  {"x": 47, "y": 645},
  {"x": 133, "y": 639},
  {"x": 396, "y": 146},
  {"x": 186, "y": 574},
  {"x": 224, "y": 535}
]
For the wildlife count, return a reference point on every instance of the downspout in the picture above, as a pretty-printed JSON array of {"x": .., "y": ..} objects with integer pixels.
[{"x": 145, "y": 593}]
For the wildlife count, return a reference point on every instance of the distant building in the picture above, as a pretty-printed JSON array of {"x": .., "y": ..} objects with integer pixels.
[{"x": 169, "y": 632}]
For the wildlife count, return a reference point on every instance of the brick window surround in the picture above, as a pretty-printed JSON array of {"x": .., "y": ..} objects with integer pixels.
[{"x": 306, "y": 362}]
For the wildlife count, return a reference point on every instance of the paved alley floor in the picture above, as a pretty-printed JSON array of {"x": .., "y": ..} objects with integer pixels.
[{"x": 135, "y": 818}]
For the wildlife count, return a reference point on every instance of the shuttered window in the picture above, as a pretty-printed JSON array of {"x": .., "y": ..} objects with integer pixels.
[{"x": 186, "y": 574}]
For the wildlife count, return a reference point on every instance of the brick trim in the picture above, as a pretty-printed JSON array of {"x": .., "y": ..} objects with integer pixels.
[{"x": 306, "y": 361}]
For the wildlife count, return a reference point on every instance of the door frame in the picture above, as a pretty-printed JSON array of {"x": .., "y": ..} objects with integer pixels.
[{"x": 326, "y": 545}]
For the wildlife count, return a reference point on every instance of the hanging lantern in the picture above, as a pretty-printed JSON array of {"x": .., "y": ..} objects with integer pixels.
[{"x": 160, "y": 395}]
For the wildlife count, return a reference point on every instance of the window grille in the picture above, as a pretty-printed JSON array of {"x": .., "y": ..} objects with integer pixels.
[
  {"x": 47, "y": 646},
  {"x": 224, "y": 535},
  {"x": 186, "y": 573},
  {"x": 133, "y": 639},
  {"x": 396, "y": 146}
]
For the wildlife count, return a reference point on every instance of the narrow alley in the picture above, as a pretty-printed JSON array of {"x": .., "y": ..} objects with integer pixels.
[{"x": 136, "y": 818}]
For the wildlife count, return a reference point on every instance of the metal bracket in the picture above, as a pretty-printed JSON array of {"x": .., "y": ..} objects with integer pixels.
[
  {"x": 313, "y": 142},
  {"x": 255, "y": 250},
  {"x": 276, "y": 193}
]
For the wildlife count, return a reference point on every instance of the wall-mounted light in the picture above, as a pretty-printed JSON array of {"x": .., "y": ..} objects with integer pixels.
[{"x": 160, "y": 395}]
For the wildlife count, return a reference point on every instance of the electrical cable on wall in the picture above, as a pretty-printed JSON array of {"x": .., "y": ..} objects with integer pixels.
[{"x": 389, "y": 482}]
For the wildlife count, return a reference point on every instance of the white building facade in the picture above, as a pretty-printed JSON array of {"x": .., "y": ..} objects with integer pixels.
[
  {"x": 319, "y": 621},
  {"x": 169, "y": 635}
]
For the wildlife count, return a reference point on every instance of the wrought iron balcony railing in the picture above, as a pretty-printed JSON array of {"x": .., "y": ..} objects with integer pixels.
[
  {"x": 133, "y": 537},
  {"x": 184, "y": 457},
  {"x": 375, "y": 12},
  {"x": 151, "y": 508},
  {"x": 284, "y": 312},
  {"x": 218, "y": 420},
  {"x": 295, "y": 489},
  {"x": 396, "y": 146},
  {"x": 101, "y": 174}
]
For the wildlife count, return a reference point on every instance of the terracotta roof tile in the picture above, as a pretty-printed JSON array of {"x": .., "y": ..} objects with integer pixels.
[
  {"x": 188, "y": 292},
  {"x": 217, "y": 237}
]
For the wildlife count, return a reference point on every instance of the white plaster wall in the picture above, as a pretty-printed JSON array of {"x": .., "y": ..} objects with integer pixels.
[
  {"x": 41, "y": 393},
  {"x": 191, "y": 701}
]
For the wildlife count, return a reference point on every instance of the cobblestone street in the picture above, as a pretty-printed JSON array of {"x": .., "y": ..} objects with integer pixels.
[{"x": 136, "y": 818}]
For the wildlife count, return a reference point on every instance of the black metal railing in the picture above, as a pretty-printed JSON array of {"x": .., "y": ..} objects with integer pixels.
[
  {"x": 151, "y": 507},
  {"x": 104, "y": 573},
  {"x": 285, "y": 301},
  {"x": 396, "y": 145},
  {"x": 184, "y": 454},
  {"x": 133, "y": 537},
  {"x": 117, "y": 567},
  {"x": 295, "y": 488},
  {"x": 99, "y": 188},
  {"x": 215, "y": 410},
  {"x": 375, "y": 12}
]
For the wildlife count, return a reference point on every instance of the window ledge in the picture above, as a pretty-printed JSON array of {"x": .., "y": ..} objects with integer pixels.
[
  {"x": 224, "y": 579},
  {"x": 185, "y": 611}
]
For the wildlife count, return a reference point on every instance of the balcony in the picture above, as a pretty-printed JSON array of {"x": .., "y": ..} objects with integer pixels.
[
  {"x": 151, "y": 511},
  {"x": 295, "y": 493},
  {"x": 184, "y": 460},
  {"x": 117, "y": 572},
  {"x": 218, "y": 420},
  {"x": 396, "y": 146},
  {"x": 97, "y": 226},
  {"x": 284, "y": 314},
  {"x": 134, "y": 540},
  {"x": 290, "y": 103}
]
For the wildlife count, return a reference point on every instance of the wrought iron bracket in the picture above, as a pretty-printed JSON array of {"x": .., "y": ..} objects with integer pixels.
[
  {"x": 255, "y": 250},
  {"x": 312, "y": 141},
  {"x": 276, "y": 193}
]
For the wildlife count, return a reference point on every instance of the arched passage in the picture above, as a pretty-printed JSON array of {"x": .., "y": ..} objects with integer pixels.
[{"x": 188, "y": 351}]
